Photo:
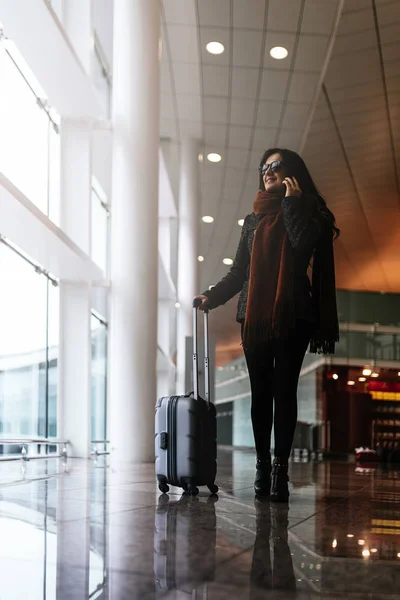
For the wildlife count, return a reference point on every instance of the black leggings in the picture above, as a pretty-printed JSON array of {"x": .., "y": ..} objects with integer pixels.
[{"x": 274, "y": 369}]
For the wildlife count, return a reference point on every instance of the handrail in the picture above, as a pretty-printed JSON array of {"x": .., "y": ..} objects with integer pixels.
[{"x": 25, "y": 441}]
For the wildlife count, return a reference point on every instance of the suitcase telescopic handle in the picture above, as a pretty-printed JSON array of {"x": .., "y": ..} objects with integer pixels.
[{"x": 196, "y": 304}]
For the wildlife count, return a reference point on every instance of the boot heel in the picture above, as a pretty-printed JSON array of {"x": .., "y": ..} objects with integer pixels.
[
  {"x": 262, "y": 483},
  {"x": 279, "y": 482}
]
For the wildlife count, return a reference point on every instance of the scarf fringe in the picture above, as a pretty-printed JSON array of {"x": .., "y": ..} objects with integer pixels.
[{"x": 283, "y": 320}]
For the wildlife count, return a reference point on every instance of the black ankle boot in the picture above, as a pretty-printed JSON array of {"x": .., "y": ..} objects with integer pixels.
[
  {"x": 279, "y": 481},
  {"x": 262, "y": 483}
]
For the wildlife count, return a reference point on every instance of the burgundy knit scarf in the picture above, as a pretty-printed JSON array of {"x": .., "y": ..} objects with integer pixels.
[{"x": 270, "y": 312}]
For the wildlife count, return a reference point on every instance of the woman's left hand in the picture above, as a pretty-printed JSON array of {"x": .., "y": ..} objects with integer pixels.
[{"x": 292, "y": 187}]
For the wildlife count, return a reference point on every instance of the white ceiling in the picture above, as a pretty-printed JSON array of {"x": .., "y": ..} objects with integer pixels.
[{"x": 335, "y": 99}]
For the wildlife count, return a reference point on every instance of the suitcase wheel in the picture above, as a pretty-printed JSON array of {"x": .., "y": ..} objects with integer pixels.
[
  {"x": 163, "y": 487},
  {"x": 213, "y": 489},
  {"x": 193, "y": 490}
]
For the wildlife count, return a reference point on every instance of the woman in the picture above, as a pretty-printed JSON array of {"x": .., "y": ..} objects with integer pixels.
[{"x": 280, "y": 311}]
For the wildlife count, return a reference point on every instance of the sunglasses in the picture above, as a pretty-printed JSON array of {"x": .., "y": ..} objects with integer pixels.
[{"x": 274, "y": 166}]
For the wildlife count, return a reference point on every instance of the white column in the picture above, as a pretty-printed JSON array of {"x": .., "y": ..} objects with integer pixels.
[
  {"x": 76, "y": 174},
  {"x": 77, "y": 21},
  {"x": 134, "y": 230},
  {"x": 74, "y": 416},
  {"x": 189, "y": 198},
  {"x": 74, "y": 408}
]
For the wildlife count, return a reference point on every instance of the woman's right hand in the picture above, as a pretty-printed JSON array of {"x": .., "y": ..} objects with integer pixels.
[{"x": 201, "y": 302}]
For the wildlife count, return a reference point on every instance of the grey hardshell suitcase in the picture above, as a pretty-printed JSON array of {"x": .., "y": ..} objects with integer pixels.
[{"x": 186, "y": 431}]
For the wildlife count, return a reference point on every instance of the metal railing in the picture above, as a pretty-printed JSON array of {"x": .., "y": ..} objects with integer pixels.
[
  {"x": 25, "y": 442},
  {"x": 96, "y": 452}
]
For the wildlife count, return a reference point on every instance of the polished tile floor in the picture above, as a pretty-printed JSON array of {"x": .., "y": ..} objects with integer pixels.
[{"x": 85, "y": 530}]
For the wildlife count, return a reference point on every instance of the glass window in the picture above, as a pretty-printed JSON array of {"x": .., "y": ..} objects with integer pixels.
[
  {"x": 53, "y": 340},
  {"x": 101, "y": 80},
  {"x": 29, "y": 325},
  {"x": 369, "y": 307},
  {"x": 99, "y": 379},
  {"x": 23, "y": 324},
  {"x": 30, "y": 145},
  {"x": 100, "y": 226},
  {"x": 54, "y": 173}
]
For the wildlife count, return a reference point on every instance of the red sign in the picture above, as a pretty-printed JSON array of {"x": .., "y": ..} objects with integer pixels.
[{"x": 383, "y": 386}]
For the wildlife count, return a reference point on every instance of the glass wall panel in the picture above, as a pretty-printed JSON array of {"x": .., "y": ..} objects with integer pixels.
[
  {"x": 30, "y": 144},
  {"x": 369, "y": 307},
  {"x": 24, "y": 152},
  {"x": 100, "y": 228},
  {"x": 23, "y": 356},
  {"x": 54, "y": 173},
  {"x": 99, "y": 379},
  {"x": 53, "y": 354},
  {"x": 101, "y": 81}
]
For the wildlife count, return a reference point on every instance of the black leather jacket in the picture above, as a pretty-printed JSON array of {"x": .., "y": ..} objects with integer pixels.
[{"x": 304, "y": 226}]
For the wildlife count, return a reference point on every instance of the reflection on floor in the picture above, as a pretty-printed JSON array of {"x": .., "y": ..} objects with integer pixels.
[{"x": 84, "y": 530}]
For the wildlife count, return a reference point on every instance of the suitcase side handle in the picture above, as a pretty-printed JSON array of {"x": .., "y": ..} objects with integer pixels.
[{"x": 196, "y": 304}]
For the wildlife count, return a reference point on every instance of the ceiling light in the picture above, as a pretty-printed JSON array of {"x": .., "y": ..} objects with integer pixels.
[
  {"x": 375, "y": 375},
  {"x": 334, "y": 544},
  {"x": 350, "y": 382},
  {"x": 200, "y": 258},
  {"x": 367, "y": 372},
  {"x": 366, "y": 553},
  {"x": 278, "y": 52},
  {"x": 228, "y": 261},
  {"x": 215, "y": 47},
  {"x": 241, "y": 223},
  {"x": 177, "y": 305},
  {"x": 208, "y": 219},
  {"x": 350, "y": 535},
  {"x": 374, "y": 550},
  {"x": 362, "y": 379},
  {"x": 200, "y": 157},
  {"x": 214, "y": 157},
  {"x": 335, "y": 376},
  {"x": 398, "y": 555},
  {"x": 361, "y": 542}
]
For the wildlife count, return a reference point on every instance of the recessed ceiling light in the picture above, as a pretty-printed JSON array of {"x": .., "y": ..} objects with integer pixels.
[
  {"x": 228, "y": 261},
  {"x": 350, "y": 382},
  {"x": 200, "y": 258},
  {"x": 365, "y": 553},
  {"x": 241, "y": 223},
  {"x": 200, "y": 157},
  {"x": 214, "y": 157},
  {"x": 215, "y": 47},
  {"x": 208, "y": 219},
  {"x": 350, "y": 535},
  {"x": 334, "y": 544},
  {"x": 367, "y": 372},
  {"x": 279, "y": 52},
  {"x": 374, "y": 550},
  {"x": 177, "y": 305},
  {"x": 374, "y": 374},
  {"x": 335, "y": 376},
  {"x": 361, "y": 542},
  {"x": 362, "y": 379}
]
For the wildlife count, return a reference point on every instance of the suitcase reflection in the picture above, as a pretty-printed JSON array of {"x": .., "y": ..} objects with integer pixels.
[
  {"x": 185, "y": 537},
  {"x": 184, "y": 543}
]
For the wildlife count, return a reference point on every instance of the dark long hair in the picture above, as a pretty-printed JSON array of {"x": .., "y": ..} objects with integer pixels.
[{"x": 296, "y": 167}]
